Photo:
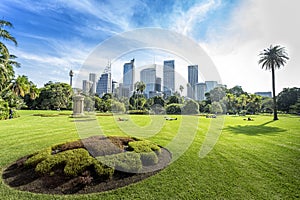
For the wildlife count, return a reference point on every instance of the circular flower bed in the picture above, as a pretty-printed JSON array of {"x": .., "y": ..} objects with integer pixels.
[{"x": 89, "y": 165}]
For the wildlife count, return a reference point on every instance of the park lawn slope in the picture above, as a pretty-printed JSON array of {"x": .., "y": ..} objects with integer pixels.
[{"x": 252, "y": 159}]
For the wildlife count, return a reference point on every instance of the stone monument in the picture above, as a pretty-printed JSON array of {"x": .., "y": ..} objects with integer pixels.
[{"x": 78, "y": 105}]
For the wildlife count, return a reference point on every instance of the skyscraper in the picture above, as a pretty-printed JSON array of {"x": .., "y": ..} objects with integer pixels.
[
  {"x": 92, "y": 79},
  {"x": 169, "y": 76},
  {"x": 86, "y": 86},
  {"x": 148, "y": 76},
  {"x": 192, "y": 80},
  {"x": 158, "y": 84},
  {"x": 200, "y": 90},
  {"x": 128, "y": 75},
  {"x": 193, "y": 74},
  {"x": 210, "y": 85},
  {"x": 102, "y": 85}
]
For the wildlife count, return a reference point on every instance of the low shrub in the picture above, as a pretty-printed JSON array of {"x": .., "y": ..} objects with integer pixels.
[
  {"x": 149, "y": 158},
  {"x": 174, "y": 108},
  {"x": 75, "y": 162},
  {"x": 143, "y": 146},
  {"x": 38, "y": 157},
  {"x": 127, "y": 162}
]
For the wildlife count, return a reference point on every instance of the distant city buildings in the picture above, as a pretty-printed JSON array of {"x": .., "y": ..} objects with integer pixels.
[
  {"x": 169, "y": 77},
  {"x": 264, "y": 94},
  {"x": 210, "y": 85},
  {"x": 200, "y": 90},
  {"x": 192, "y": 80},
  {"x": 92, "y": 79},
  {"x": 158, "y": 84},
  {"x": 148, "y": 76},
  {"x": 86, "y": 86},
  {"x": 128, "y": 76},
  {"x": 102, "y": 85}
]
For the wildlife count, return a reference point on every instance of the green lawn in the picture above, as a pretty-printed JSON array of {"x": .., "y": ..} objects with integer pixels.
[{"x": 257, "y": 159}]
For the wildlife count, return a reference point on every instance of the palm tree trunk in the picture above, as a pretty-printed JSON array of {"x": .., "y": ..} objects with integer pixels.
[{"x": 274, "y": 96}]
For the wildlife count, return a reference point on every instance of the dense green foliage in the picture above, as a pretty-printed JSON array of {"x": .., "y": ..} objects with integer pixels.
[
  {"x": 190, "y": 107},
  {"x": 143, "y": 146},
  {"x": 55, "y": 96},
  {"x": 75, "y": 161},
  {"x": 127, "y": 161},
  {"x": 149, "y": 158},
  {"x": 287, "y": 98},
  {"x": 173, "y": 108}
]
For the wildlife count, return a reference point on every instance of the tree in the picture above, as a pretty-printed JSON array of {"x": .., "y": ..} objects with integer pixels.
[
  {"x": 295, "y": 109},
  {"x": 217, "y": 94},
  {"x": 236, "y": 90},
  {"x": 190, "y": 107},
  {"x": 55, "y": 96},
  {"x": 173, "y": 108},
  {"x": 216, "y": 107},
  {"x": 5, "y": 35},
  {"x": 273, "y": 58},
  {"x": 287, "y": 97},
  {"x": 173, "y": 99},
  {"x": 6, "y": 60},
  {"x": 21, "y": 86},
  {"x": 140, "y": 86}
]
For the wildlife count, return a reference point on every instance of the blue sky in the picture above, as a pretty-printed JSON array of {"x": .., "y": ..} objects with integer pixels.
[{"x": 57, "y": 35}]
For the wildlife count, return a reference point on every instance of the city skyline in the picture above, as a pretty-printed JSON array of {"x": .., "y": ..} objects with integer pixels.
[
  {"x": 153, "y": 82},
  {"x": 231, "y": 32}
]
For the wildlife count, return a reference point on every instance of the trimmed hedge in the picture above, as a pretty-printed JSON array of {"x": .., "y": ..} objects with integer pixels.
[
  {"x": 138, "y": 112},
  {"x": 143, "y": 146},
  {"x": 149, "y": 158},
  {"x": 38, "y": 157},
  {"x": 127, "y": 161},
  {"x": 76, "y": 161}
]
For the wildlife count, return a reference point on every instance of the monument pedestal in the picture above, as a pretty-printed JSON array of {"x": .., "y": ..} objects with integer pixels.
[{"x": 78, "y": 104}]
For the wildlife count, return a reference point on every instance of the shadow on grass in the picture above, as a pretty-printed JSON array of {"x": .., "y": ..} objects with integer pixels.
[{"x": 254, "y": 130}]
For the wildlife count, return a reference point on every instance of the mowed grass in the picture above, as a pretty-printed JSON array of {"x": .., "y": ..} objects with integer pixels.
[{"x": 257, "y": 159}]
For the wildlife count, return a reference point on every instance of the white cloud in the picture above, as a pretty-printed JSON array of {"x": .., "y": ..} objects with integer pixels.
[
  {"x": 254, "y": 26},
  {"x": 186, "y": 20}
]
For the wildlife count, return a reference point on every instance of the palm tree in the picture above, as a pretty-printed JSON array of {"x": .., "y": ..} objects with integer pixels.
[
  {"x": 270, "y": 59},
  {"x": 6, "y": 62},
  {"x": 5, "y": 35},
  {"x": 21, "y": 86}
]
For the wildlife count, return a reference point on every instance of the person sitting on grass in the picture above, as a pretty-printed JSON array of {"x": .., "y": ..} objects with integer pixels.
[{"x": 122, "y": 119}]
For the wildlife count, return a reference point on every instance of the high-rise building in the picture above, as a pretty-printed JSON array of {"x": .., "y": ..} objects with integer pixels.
[
  {"x": 86, "y": 86},
  {"x": 128, "y": 75},
  {"x": 114, "y": 86},
  {"x": 192, "y": 80},
  {"x": 264, "y": 94},
  {"x": 210, "y": 85},
  {"x": 169, "y": 76},
  {"x": 200, "y": 90},
  {"x": 103, "y": 84},
  {"x": 148, "y": 76},
  {"x": 193, "y": 74},
  {"x": 92, "y": 79},
  {"x": 158, "y": 84}
]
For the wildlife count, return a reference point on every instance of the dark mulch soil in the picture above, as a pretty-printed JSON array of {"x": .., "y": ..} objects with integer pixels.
[{"x": 23, "y": 178}]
